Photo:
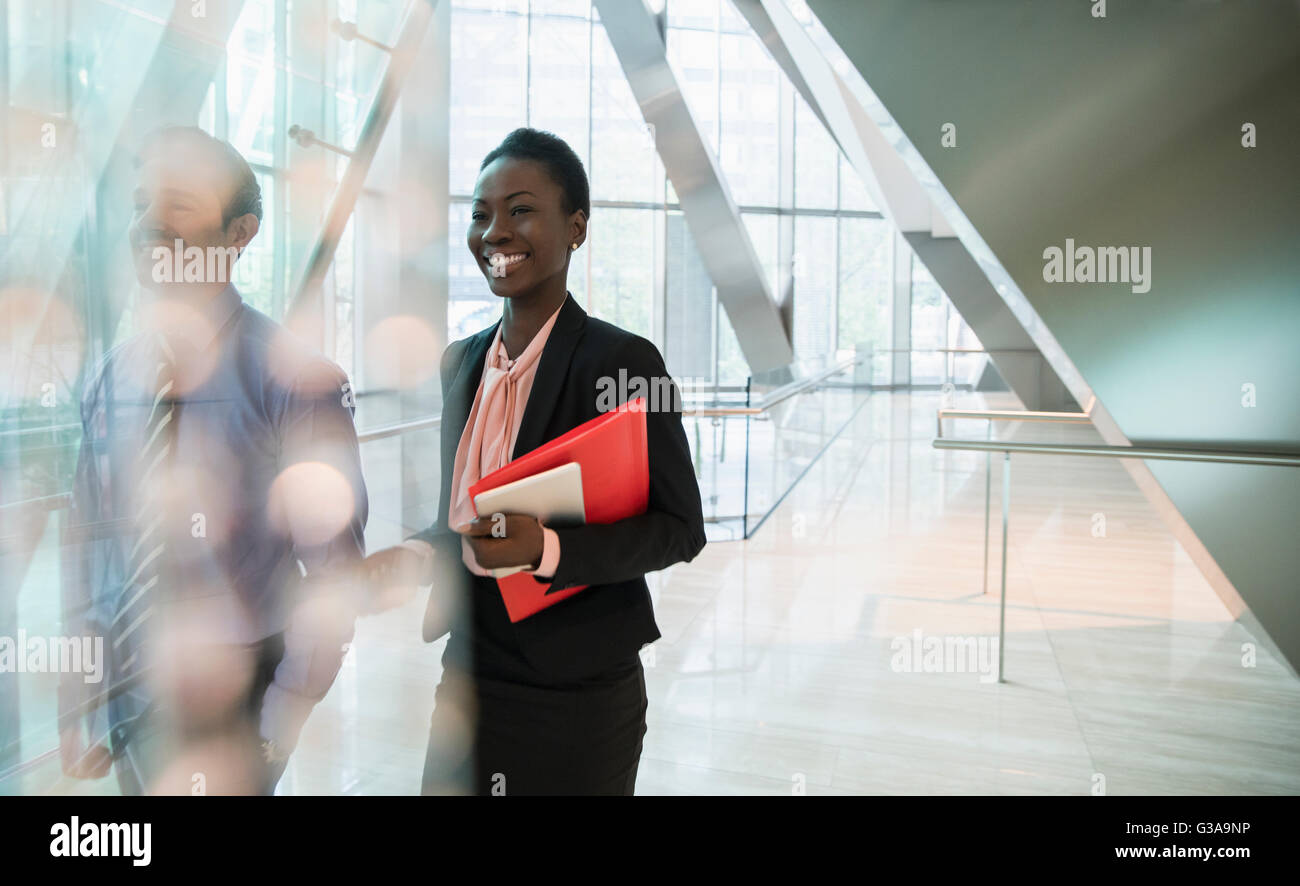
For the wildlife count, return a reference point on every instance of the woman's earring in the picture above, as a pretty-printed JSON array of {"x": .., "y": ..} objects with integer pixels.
[{"x": 573, "y": 245}]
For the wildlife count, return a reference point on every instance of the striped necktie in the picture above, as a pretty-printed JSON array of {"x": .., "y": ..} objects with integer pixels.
[{"x": 144, "y": 567}]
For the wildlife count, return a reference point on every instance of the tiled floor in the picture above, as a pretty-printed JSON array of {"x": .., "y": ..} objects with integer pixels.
[{"x": 774, "y": 672}]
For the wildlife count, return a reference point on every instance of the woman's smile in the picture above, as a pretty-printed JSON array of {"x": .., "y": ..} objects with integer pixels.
[{"x": 500, "y": 263}]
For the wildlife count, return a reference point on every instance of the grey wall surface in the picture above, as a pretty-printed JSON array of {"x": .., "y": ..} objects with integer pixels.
[{"x": 1127, "y": 131}]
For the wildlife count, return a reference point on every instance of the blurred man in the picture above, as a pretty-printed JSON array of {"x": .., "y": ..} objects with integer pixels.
[{"x": 218, "y": 499}]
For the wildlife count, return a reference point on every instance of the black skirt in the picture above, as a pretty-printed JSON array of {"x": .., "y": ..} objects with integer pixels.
[{"x": 495, "y": 737}]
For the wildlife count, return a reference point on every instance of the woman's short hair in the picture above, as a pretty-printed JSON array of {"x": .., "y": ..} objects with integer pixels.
[
  {"x": 246, "y": 193},
  {"x": 555, "y": 155}
]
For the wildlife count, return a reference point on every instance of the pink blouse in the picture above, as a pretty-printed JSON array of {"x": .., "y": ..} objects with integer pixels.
[{"x": 490, "y": 433}]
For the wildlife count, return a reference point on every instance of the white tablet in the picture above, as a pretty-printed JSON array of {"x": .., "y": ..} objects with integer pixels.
[{"x": 554, "y": 497}]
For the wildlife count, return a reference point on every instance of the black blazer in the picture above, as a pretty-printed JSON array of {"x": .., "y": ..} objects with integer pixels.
[{"x": 610, "y": 621}]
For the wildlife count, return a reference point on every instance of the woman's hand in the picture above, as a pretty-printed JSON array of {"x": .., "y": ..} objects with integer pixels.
[
  {"x": 501, "y": 540},
  {"x": 393, "y": 575}
]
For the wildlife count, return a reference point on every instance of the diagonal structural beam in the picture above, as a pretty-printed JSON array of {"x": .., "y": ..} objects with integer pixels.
[
  {"x": 904, "y": 200},
  {"x": 706, "y": 202},
  {"x": 306, "y": 304},
  {"x": 883, "y": 173}
]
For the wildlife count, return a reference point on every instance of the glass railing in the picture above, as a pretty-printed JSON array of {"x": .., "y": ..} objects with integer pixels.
[
  {"x": 752, "y": 446},
  {"x": 1088, "y": 447}
]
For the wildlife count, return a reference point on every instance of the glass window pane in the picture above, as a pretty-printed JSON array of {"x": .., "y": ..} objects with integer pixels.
[
  {"x": 580, "y": 267},
  {"x": 621, "y": 242},
  {"x": 471, "y": 306},
  {"x": 730, "y": 20},
  {"x": 853, "y": 194},
  {"x": 929, "y": 315},
  {"x": 864, "y": 299},
  {"x": 251, "y": 82},
  {"x": 558, "y": 80},
  {"x": 579, "y": 8},
  {"x": 518, "y": 6},
  {"x": 814, "y": 282},
  {"x": 750, "y": 121},
  {"x": 732, "y": 368},
  {"x": 762, "y": 228},
  {"x": 929, "y": 327},
  {"x": 42, "y": 54},
  {"x": 624, "y": 163},
  {"x": 965, "y": 367},
  {"x": 815, "y": 159},
  {"x": 694, "y": 57},
  {"x": 688, "y": 304},
  {"x": 694, "y": 13},
  {"x": 488, "y": 60}
]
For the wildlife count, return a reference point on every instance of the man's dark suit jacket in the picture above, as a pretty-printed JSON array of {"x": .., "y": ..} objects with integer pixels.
[{"x": 606, "y": 624}]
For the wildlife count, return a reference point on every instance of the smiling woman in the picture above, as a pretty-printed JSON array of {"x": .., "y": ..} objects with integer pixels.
[
  {"x": 555, "y": 703},
  {"x": 528, "y": 215}
]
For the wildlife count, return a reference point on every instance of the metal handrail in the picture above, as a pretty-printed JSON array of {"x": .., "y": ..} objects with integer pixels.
[
  {"x": 59, "y": 500},
  {"x": 1015, "y": 415},
  {"x": 785, "y": 392},
  {"x": 1160, "y": 453},
  {"x": 955, "y": 350},
  {"x": 723, "y": 411},
  {"x": 993, "y": 415},
  {"x": 41, "y": 429},
  {"x": 1157, "y": 453},
  {"x": 394, "y": 430},
  {"x": 54, "y": 501},
  {"x": 707, "y": 386},
  {"x": 1011, "y": 415},
  {"x": 779, "y": 395}
]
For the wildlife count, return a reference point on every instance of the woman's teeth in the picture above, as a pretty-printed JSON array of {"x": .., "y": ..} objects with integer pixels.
[{"x": 500, "y": 262}]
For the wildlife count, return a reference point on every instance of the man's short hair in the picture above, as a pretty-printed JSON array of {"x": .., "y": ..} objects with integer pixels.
[{"x": 246, "y": 193}]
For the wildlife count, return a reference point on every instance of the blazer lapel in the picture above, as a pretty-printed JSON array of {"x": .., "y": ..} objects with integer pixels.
[
  {"x": 455, "y": 409},
  {"x": 551, "y": 371}
]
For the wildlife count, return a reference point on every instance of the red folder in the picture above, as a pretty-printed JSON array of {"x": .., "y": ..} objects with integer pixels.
[{"x": 611, "y": 449}]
